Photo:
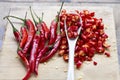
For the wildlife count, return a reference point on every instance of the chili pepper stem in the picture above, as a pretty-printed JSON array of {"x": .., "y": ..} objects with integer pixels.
[
  {"x": 40, "y": 20},
  {"x": 15, "y": 17},
  {"x": 14, "y": 29},
  {"x": 33, "y": 16},
  {"x": 58, "y": 19}
]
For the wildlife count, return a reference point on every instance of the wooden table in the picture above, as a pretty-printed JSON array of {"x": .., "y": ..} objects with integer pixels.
[{"x": 5, "y": 5}]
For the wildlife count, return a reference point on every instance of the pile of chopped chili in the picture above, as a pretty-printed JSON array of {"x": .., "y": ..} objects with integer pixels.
[
  {"x": 37, "y": 43},
  {"x": 91, "y": 41}
]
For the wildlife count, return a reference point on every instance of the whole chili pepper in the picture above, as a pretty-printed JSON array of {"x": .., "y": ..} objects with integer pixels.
[
  {"x": 15, "y": 31},
  {"x": 35, "y": 45},
  {"x": 53, "y": 51},
  {"x": 53, "y": 28},
  {"x": 24, "y": 36},
  {"x": 40, "y": 55},
  {"x": 31, "y": 32}
]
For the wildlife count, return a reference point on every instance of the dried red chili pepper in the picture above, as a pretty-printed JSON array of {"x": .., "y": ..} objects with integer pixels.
[{"x": 15, "y": 31}]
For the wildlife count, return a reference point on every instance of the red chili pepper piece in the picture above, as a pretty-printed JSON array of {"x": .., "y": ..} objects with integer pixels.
[
  {"x": 53, "y": 51},
  {"x": 15, "y": 31},
  {"x": 34, "y": 50},
  {"x": 24, "y": 36}
]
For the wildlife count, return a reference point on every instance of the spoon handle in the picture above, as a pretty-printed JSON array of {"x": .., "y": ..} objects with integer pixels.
[{"x": 70, "y": 75}]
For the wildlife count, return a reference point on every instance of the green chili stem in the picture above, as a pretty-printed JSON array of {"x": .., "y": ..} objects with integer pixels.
[
  {"x": 33, "y": 17},
  {"x": 15, "y": 17},
  {"x": 14, "y": 29}
]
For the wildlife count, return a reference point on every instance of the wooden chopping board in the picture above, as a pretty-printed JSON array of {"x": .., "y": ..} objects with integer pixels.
[{"x": 11, "y": 67}]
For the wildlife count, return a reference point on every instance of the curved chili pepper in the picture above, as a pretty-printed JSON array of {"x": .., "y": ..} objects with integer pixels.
[
  {"x": 27, "y": 76},
  {"x": 53, "y": 51},
  {"x": 15, "y": 32},
  {"x": 24, "y": 36},
  {"x": 24, "y": 59},
  {"x": 40, "y": 54}
]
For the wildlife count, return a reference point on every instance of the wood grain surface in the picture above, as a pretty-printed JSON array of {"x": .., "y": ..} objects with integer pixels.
[{"x": 11, "y": 67}]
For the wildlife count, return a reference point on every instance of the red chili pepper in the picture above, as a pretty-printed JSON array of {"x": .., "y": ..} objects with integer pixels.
[
  {"x": 30, "y": 35},
  {"x": 41, "y": 44},
  {"x": 24, "y": 36},
  {"x": 30, "y": 26},
  {"x": 35, "y": 47},
  {"x": 54, "y": 27},
  {"x": 53, "y": 33},
  {"x": 34, "y": 50},
  {"x": 53, "y": 51},
  {"x": 15, "y": 32},
  {"x": 47, "y": 31},
  {"x": 40, "y": 55},
  {"x": 24, "y": 59}
]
